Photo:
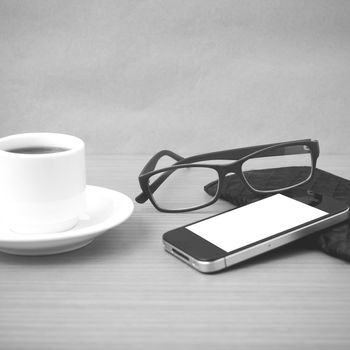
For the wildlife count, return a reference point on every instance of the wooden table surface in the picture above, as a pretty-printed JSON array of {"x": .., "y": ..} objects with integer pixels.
[{"x": 124, "y": 291}]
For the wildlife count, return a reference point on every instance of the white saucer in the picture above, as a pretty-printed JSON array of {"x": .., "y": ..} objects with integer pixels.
[{"x": 105, "y": 209}]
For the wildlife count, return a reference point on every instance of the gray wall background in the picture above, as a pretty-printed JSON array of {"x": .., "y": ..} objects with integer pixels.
[{"x": 192, "y": 76}]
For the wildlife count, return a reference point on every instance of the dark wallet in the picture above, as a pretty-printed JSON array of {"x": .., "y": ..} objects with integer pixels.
[{"x": 335, "y": 240}]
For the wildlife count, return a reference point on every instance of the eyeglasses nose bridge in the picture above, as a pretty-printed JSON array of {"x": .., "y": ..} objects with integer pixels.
[{"x": 230, "y": 169}]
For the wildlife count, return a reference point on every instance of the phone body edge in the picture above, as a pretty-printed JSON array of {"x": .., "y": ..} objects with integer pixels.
[{"x": 258, "y": 249}]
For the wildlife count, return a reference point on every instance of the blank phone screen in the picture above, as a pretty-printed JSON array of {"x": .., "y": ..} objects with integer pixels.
[{"x": 254, "y": 222}]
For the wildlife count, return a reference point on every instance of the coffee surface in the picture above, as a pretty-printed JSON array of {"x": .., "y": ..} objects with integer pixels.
[{"x": 37, "y": 150}]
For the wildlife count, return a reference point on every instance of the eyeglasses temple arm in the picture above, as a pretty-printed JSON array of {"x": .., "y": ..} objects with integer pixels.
[
  {"x": 152, "y": 163},
  {"x": 238, "y": 153},
  {"x": 150, "y": 166}
]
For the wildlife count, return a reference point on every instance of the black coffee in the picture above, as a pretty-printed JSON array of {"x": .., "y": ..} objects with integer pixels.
[{"x": 37, "y": 150}]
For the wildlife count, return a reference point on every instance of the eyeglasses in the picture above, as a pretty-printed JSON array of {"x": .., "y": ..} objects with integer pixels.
[{"x": 264, "y": 169}]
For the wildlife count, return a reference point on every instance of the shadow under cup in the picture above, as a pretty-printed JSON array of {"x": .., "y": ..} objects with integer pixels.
[{"x": 42, "y": 182}]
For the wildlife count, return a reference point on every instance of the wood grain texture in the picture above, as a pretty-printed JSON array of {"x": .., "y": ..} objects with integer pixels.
[{"x": 124, "y": 291}]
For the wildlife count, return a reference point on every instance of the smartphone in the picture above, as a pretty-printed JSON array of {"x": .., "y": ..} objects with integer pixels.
[{"x": 239, "y": 234}]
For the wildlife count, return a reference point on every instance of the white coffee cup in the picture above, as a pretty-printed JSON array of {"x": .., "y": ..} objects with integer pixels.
[{"x": 41, "y": 192}]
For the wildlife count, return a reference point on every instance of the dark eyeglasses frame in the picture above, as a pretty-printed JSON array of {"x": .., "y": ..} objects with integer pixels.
[{"x": 239, "y": 155}]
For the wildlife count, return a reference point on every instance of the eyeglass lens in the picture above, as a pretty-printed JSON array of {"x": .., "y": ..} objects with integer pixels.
[
  {"x": 183, "y": 188},
  {"x": 279, "y": 169}
]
